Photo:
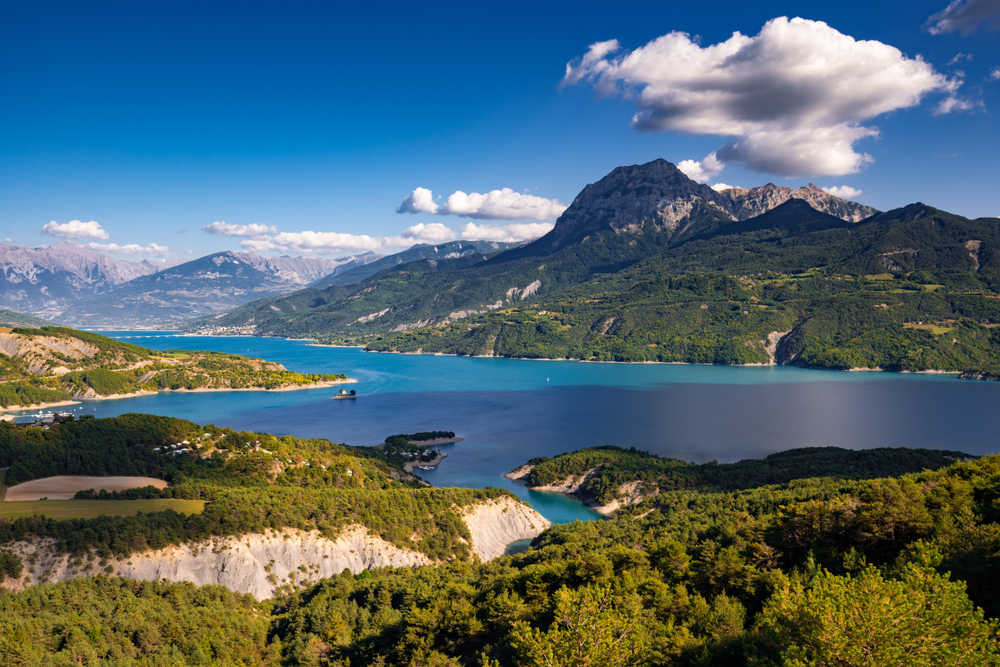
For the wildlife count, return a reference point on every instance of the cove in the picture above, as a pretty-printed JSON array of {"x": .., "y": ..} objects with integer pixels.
[{"x": 509, "y": 411}]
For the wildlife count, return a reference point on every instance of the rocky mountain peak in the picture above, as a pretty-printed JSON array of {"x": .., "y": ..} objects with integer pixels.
[
  {"x": 746, "y": 203},
  {"x": 656, "y": 194}
]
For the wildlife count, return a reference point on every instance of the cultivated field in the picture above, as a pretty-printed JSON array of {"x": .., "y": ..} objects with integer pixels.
[
  {"x": 64, "y": 487},
  {"x": 89, "y": 509}
]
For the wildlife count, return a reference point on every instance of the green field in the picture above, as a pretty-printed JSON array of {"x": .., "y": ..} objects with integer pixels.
[{"x": 90, "y": 509}]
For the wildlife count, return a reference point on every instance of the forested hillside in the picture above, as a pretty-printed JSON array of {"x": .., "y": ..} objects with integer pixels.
[
  {"x": 251, "y": 482},
  {"x": 54, "y": 364},
  {"x": 822, "y": 570}
]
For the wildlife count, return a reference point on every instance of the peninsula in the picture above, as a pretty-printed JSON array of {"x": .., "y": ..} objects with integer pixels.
[{"x": 56, "y": 366}]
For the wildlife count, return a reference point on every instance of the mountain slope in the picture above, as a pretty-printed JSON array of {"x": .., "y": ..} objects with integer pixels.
[
  {"x": 41, "y": 281},
  {"x": 631, "y": 216},
  {"x": 450, "y": 250},
  {"x": 204, "y": 286}
]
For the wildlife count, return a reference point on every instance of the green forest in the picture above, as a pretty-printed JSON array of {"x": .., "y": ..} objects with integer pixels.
[
  {"x": 909, "y": 290},
  {"x": 251, "y": 482},
  {"x": 825, "y": 570},
  {"x": 811, "y": 556}
]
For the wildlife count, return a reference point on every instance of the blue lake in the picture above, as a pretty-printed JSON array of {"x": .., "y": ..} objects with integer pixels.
[{"x": 509, "y": 411}]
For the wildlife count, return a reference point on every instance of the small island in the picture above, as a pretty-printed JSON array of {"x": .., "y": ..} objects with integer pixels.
[{"x": 57, "y": 366}]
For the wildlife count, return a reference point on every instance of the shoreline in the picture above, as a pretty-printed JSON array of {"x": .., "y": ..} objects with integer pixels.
[
  {"x": 410, "y": 465},
  {"x": 38, "y": 406},
  {"x": 929, "y": 371},
  {"x": 201, "y": 390}
]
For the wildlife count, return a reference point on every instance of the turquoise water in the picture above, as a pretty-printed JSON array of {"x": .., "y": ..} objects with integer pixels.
[{"x": 509, "y": 411}]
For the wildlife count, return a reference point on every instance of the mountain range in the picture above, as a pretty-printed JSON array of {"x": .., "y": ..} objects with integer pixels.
[
  {"x": 75, "y": 285},
  {"x": 648, "y": 265},
  {"x": 630, "y": 216}
]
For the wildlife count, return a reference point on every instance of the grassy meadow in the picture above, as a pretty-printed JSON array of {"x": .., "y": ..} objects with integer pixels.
[{"x": 91, "y": 509}]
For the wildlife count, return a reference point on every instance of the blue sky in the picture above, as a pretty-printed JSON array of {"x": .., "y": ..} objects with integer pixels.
[{"x": 283, "y": 118}]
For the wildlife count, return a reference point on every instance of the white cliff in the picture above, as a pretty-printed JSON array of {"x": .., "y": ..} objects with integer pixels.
[{"x": 261, "y": 563}]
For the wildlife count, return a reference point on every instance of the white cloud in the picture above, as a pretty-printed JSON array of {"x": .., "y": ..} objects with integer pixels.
[
  {"x": 842, "y": 191},
  {"x": 131, "y": 249},
  {"x": 434, "y": 232},
  {"x": 702, "y": 171},
  {"x": 243, "y": 231},
  {"x": 511, "y": 233},
  {"x": 421, "y": 200},
  {"x": 74, "y": 229},
  {"x": 719, "y": 187},
  {"x": 995, "y": 74},
  {"x": 953, "y": 103},
  {"x": 502, "y": 204},
  {"x": 323, "y": 243},
  {"x": 792, "y": 97},
  {"x": 965, "y": 16},
  {"x": 959, "y": 57}
]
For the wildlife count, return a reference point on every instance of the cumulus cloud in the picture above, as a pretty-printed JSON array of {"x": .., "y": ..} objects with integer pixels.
[
  {"x": 995, "y": 74},
  {"x": 335, "y": 243},
  {"x": 703, "y": 171},
  {"x": 74, "y": 229},
  {"x": 792, "y": 98},
  {"x": 434, "y": 232},
  {"x": 965, "y": 16},
  {"x": 504, "y": 204},
  {"x": 842, "y": 191},
  {"x": 131, "y": 249},
  {"x": 421, "y": 200},
  {"x": 511, "y": 233},
  {"x": 323, "y": 243},
  {"x": 243, "y": 231},
  {"x": 954, "y": 103}
]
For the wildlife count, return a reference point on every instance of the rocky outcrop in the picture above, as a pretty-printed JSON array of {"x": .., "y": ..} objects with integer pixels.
[
  {"x": 977, "y": 375},
  {"x": 497, "y": 523},
  {"x": 255, "y": 564},
  {"x": 746, "y": 203},
  {"x": 259, "y": 564},
  {"x": 571, "y": 484},
  {"x": 630, "y": 493},
  {"x": 657, "y": 196}
]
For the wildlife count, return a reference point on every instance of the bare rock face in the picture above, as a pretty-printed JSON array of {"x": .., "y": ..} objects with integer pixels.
[
  {"x": 657, "y": 196},
  {"x": 42, "y": 280},
  {"x": 497, "y": 523},
  {"x": 261, "y": 563},
  {"x": 746, "y": 203}
]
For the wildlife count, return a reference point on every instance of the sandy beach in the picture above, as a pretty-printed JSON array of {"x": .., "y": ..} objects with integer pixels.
[{"x": 38, "y": 406}]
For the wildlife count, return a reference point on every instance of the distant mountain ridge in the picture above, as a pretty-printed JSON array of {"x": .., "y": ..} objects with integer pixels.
[
  {"x": 349, "y": 275},
  {"x": 204, "y": 286},
  {"x": 41, "y": 280},
  {"x": 76, "y": 285}
]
